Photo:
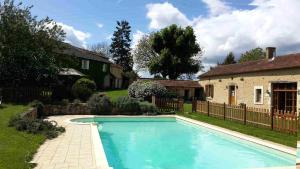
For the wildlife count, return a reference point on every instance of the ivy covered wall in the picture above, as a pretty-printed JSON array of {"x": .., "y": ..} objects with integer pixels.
[{"x": 95, "y": 72}]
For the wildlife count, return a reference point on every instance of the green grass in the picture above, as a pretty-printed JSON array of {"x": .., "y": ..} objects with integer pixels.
[
  {"x": 266, "y": 134},
  {"x": 114, "y": 94},
  {"x": 16, "y": 148}
]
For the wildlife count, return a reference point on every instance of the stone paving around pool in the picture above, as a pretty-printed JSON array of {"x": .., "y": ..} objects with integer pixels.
[{"x": 73, "y": 149}]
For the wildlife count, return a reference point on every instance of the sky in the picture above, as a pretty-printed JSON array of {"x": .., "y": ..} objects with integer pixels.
[{"x": 220, "y": 26}]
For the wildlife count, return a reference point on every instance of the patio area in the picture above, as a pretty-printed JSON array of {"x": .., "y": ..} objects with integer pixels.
[{"x": 73, "y": 149}]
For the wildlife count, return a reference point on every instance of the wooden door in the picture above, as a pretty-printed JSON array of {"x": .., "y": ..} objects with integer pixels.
[{"x": 232, "y": 95}]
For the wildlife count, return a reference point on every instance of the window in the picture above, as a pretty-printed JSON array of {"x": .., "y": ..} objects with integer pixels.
[
  {"x": 209, "y": 89},
  {"x": 104, "y": 67},
  {"x": 85, "y": 64},
  {"x": 258, "y": 95}
]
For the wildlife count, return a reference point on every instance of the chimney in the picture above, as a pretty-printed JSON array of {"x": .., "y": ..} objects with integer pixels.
[{"x": 270, "y": 52}]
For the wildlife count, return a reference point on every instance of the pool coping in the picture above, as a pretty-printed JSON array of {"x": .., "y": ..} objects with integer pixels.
[
  {"x": 102, "y": 161},
  {"x": 100, "y": 157}
]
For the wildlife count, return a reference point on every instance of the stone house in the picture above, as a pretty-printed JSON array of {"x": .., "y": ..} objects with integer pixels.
[
  {"x": 93, "y": 65},
  {"x": 273, "y": 82},
  {"x": 116, "y": 80},
  {"x": 187, "y": 89}
]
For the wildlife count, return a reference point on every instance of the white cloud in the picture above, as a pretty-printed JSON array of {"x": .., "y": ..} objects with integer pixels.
[
  {"x": 217, "y": 7},
  {"x": 269, "y": 23},
  {"x": 75, "y": 37},
  {"x": 164, "y": 14},
  {"x": 136, "y": 37},
  {"x": 100, "y": 25}
]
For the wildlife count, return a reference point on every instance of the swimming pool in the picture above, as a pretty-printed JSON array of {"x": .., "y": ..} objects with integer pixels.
[{"x": 170, "y": 143}]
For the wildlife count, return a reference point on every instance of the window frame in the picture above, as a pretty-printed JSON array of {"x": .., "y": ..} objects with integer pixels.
[
  {"x": 255, "y": 95},
  {"x": 209, "y": 91},
  {"x": 104, "y": 67},
  {"x": 85, "y": 64}
]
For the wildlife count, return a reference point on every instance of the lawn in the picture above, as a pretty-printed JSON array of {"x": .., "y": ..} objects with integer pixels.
[
  {"x": 114, "y": 94},
  {"x": 267, "y": 134},
  {"x": 16, "y": 148}
]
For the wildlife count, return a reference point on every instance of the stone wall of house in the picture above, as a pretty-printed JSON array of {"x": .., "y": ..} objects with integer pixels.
[
  {"x": 245, "y": 86},
  {"x": 181, "y": 91},
  {"x": 70, "y": 109}
]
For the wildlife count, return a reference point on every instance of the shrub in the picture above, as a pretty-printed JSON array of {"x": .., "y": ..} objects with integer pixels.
[
  {"x": 39, "y": 106},
  {"x": 171, "y": 94},
  {"x": 83, "y": 88},
  {"x": 65, "y": 102},
  {"x": 127, "y": 105},
  {"x": 100, "y": 104},
  {"x": 148, "y": 108},
  {"x": 146, "y": 89},
  {"x": 77, "y": 102},
  {"x": 36, "y": 126}
]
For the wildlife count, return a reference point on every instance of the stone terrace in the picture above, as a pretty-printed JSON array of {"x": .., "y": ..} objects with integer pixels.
[{"x": 73, "y": 149}]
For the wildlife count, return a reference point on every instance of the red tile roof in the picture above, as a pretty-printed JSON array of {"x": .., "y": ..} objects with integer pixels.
[
  {"x": 280, "y": 62},
  {"x": 175, "y": 83}
]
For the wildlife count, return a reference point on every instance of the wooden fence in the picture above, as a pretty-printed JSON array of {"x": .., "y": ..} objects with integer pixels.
[
  {"x": 25, "y": 94},
  {"x": 282, "y": 121},
  {"x": 168, "y": 104}
]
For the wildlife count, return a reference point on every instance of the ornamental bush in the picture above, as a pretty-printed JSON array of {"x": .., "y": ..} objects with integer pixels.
[
  {"x": 83, "y": 88},
  {"x": 148, "y": 108},
  {"x": 99, "y": 104},
  {"x": 127, "y": 105},
  {"x": 146, "y": 89},
  {"x": 36, "y": 126}
]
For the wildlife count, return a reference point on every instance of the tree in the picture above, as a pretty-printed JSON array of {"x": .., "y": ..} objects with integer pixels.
[
  {"x": 102, "y": 48},
  {"x": 28, "y": 47},
  {"x": 120, "y": 46},
  {"x": 178, "y": 52},
  {"x": 143, "y": 53},
  {"x": 253, "y": 54},
  {"x": 229, "y": 59}
]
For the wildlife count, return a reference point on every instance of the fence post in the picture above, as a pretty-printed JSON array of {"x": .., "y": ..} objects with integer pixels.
[
  {"x": 272, "y": 118},
  {"x": 194, "y": 105},
  {"x": 245, "y": 114},
  {"x": 224, "y": 110},
  {"x": 207, "y": 108}
]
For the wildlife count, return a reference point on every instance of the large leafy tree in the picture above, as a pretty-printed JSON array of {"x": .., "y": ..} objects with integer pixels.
[
  {"x": 253, "y": 54},
  {"x": 28, "y": 47},
  {"x": 120, "y": 46},
  {"x": 178, "y": 51},
  {"x": 230, "y": 59},
  {"x": 143, "y": 53}
]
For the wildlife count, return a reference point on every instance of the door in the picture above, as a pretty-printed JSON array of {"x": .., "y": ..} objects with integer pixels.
[{"x": 232, "y": 95}]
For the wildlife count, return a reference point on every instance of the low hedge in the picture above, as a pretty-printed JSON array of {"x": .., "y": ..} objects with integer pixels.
[{"x": 36, "y": 126}]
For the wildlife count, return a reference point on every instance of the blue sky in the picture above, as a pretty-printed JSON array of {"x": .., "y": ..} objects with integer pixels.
[
  {"x": 84, "y": 15},
  {"x": 221, "y": 26}
]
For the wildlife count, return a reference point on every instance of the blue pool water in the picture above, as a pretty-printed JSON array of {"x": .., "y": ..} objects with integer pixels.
[{"x": 167, "y": 143}]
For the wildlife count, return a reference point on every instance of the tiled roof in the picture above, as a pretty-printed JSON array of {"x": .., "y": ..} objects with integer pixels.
[
  {"x": 280, "y": 62},
  {"x": 83, "y": 53},
  {"x": 175, "y": 83}
]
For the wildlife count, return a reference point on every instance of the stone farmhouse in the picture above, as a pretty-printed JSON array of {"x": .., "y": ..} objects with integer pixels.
[{"x": 270, "y": 83}]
